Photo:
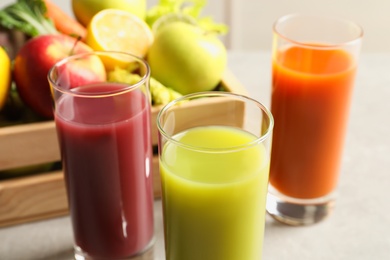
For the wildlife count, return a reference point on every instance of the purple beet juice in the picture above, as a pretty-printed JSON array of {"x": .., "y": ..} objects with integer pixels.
[{"x": 107, "y": 154}]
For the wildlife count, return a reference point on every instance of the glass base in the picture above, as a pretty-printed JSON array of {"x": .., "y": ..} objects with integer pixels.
[
  {"x": 79, "y": 254},
  {"x": 297, "y": 212}
]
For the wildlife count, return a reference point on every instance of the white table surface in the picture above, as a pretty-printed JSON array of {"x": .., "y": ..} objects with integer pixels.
[{"x": 358, "y": 229}]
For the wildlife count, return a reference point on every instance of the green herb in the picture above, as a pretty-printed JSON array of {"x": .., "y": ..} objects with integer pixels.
[{"x": 27, "y": 16}]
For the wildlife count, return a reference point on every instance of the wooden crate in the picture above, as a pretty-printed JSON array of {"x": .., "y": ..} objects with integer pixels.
[{"x": 43, "y": 195}]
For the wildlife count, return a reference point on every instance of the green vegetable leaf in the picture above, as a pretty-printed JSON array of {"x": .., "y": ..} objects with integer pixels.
[
  {"x": 27, "y": 16},
  {"x": 192, "y": 8},
  {"x": 209, "y": 25}
]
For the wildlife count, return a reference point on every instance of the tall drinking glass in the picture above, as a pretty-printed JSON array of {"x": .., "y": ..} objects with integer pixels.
[
  {"x": 103, "y": 127},
  {"x": 214, "y": 166},
  {"x": 314, "y": 63}
]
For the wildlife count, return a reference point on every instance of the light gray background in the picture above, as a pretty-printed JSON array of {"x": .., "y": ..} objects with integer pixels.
[{"x": 250, "y": 21}]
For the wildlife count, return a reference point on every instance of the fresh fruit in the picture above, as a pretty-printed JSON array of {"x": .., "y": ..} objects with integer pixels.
[
  {"x": 187, "y": 58},
  {"x": 78, "y": 72},
  {"x": 84, "y": 10},
  {"x": 133, "y": 36},
  {"x": 33, "y": 63},
  {"x": 118, "y": 30},
  {"x": 5, "y": 76}
]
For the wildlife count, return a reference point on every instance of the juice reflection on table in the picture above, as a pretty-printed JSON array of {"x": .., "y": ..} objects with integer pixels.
[
  {"x": 107, "y": 170},
  {"x": 310, "y": 101},
  {"x": 214, "y": 202}
]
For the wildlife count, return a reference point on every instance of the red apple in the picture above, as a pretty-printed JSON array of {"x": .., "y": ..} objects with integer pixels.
[
  {"x": 34, "y": 60},
  {"x": 78, "y": 71}
]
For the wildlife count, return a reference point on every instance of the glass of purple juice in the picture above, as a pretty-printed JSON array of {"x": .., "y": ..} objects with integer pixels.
[{"x": 102, "y": 115}]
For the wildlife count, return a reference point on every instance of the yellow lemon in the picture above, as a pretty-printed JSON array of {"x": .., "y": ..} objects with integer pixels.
[
  {"x": 5, "y": 76},
  {"x": 118, "y": 30}
]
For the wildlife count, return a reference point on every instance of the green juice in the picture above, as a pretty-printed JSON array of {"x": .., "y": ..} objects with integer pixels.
[{"x": 214, "y": 198}]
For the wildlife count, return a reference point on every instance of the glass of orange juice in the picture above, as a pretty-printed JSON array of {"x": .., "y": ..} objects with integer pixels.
[
  {"x": 314, "y": 62},
  {"x": 214, "y": 166}
]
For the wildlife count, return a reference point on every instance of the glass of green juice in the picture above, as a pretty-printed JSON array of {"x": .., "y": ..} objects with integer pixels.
[{"x": 214, "y": 157}]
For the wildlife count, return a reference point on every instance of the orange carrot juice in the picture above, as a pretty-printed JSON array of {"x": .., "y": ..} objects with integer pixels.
[{"x": 310, "y": 102}]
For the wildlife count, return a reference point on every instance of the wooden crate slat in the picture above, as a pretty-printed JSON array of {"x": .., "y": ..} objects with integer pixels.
[
  {"x": 30, "y": 198},
  {"x": 29, "y": 144}
]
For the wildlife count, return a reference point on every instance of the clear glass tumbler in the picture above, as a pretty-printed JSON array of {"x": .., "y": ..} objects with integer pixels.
[
  {"x": 314, "y": 62},
  {"x": 214, "y": 166},
  {"x": 102, "y": 115}
]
